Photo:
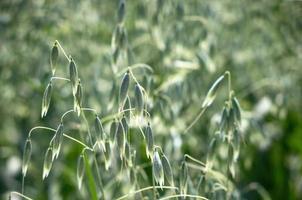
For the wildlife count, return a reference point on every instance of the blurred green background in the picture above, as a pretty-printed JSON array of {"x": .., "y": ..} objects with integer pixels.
[{"x": 189, "y": 41}]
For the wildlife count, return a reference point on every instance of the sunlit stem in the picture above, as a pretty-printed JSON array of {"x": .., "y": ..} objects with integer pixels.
[
  {"x": 62, "y": 50},
  {"x": 184, "y": 195},
  {"x": 145, "y": 189},
  {"x": 135, "y": 66},
  {"x": 196, "y": 119},
  {"x": 229, "y": 84},
  {"x": 59, "y": 78},
  {"x": 21, "y": 195},
  {"x": 194, "y": 159}
]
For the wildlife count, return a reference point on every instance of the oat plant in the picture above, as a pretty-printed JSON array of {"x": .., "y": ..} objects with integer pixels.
[{"x": 110, "y": 143}]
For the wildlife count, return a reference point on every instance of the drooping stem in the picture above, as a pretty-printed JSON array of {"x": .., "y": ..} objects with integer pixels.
[
  {"x": 196, "y": 119},
  {"x": 62, "y": 50},
  {"x": 194, "y": 159},
  {"x": 21, "y": 195},
  {"x": 59, "y": 78},
  {"x": 184, "y": 195},
  {"x": 146, "y": 188}
]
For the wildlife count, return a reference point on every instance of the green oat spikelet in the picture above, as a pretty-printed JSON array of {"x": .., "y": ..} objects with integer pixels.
[
  {"x": 167, "y": 170},
  {"x": 73, "y": 75},
  {"x": 120, "y": 139},
  {"x": 47, "y": 162},
  {"x": 80, "y": 170},
  {"x": 54, "y": 57},
  {"x": 211, "y": 95},
  {"x": 26, "y": 156},
  {"x": 57, "y": 141},
  {"x": 149, "y": 141},
  {"x": 158, "y": 171},
  {"x": 139, "y": 98},
  {"x": 46, "y": 99},
  {"x": 124, "y": 88}
]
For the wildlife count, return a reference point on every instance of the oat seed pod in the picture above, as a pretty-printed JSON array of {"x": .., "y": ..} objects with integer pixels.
[
  {"x": 167, "y": 170},
  {"x": 47, "y": 163},
  {"x": 211, "y": 153},
  {"x": 120, "y": 139},
  {"x": 149, "y": 141},
  {"x": 127, "y": 107},
  {"x": 73, "y": 74},
  {"x": 231, "y": 117},
  {"x": 46, "y": 99},
  {"x": 57, "y": 141},
  {"x": 124, "y": 88},
  {"x": 158, "y": 171},
  {"x": 223, "y": 121},
  {"x": 78, "y": 98},
  {"x": 99, "y": 130},
  {"x": 107, "y": 154},
  {"x": 139, "y": 98},
  {"x": 183, "y": 178},
  {"x": 54, "y": 57},
  {"x": 211, "y": 95},
  {"x": 237, "y": 109},
  {"x": 80, "y": 170},
  {"x": 236, "y": 143},
  {"x": 128, "y": 154},
  {"x": 125, "y": 124},
  {"x": 121, "y": 11},
  {"x": 113, "y": 128},
  {"x": 26, "y": 156}
]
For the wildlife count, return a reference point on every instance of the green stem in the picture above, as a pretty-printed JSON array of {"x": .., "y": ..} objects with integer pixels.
[
  {"x": 194, "y": 159},
  {"x": 21, "y": 195},
  {"x": 184, "y": 195},
  {"x": 59, "y": 78},
  {"x": 62, "y": 50},
  {"x": 196, "y": 119},
  {"x": 145, "y": 189}
]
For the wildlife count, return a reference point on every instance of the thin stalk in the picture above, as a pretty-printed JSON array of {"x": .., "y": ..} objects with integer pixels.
[
  {"x": 229, "y": 84},
  {"x": 196, "y": 119},
  {"x": 40, "y": 127},
  {"x": 66, "y": 113},
  {"x": 59, "y": 78},
  {"x": 194, "y": 159},
  {"x": 145, "y": 189},
  {"x": 21, "y": 195},
  {"x": 64, "y": 134},
  {"x": 135, "y": 66},
  {"x": 62, "y": 50},
  {"x": 184, "y": 195}
]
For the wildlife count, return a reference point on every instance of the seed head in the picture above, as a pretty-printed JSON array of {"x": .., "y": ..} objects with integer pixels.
[
  {"x": 54, "y": 57},
  {"x": 57, "y": 141},
  {"x": 167, "y": 170},
  {"x": 158, "y": 172},
  {"x": 47, "y": 162},
  {"x": 73, "y": 73},
  {"x": 80, "y": 170},
  {"x": 139, "y": 98},
  {"x": 183, "y": 178},
  {"x": 124, "y": 88},
  {"x": 26, "y": 156},
  {"x": 99, "y": 130},
  {"x": 120, "y": 139},
  {"x": 46, "y": 99},
  {"x": 211, "y": 95},
  {"x": 149, "y": 141}
]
